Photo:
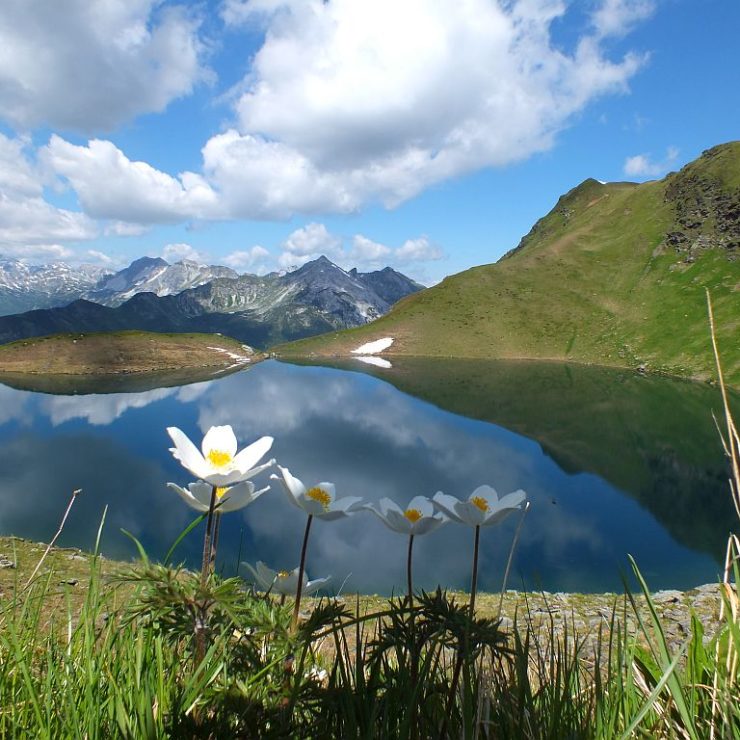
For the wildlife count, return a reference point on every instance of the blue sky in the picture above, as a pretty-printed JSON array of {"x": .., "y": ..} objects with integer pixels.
[{"x": 424, "y": 134}]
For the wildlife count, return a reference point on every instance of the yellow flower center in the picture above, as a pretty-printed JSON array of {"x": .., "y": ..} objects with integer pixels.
[
  {"x": 320, "y": 495},
  {"x": 218, "y": 459},
  {"x": 480, "y": 502},
  {"x": 220, "y": 491},
  {"x": 413, "y": 515},
  {"x": 283, "y": 574}
]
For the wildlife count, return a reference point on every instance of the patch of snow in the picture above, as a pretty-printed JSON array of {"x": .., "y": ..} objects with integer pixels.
[
  {"x": 601, "y": 182},
  {"x": 377, "y": 361},
  {"x": 240, "y": 359},
  {"x": 372, "y": 348}
]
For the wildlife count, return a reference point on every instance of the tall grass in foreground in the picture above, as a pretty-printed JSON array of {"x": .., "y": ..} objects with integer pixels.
[{"x": 124, "y": 668}]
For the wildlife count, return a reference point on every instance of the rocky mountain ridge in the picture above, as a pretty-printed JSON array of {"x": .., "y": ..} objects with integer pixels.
[
  {"x": 24, "y": 287},
  {"x": 258, "y": 310}
]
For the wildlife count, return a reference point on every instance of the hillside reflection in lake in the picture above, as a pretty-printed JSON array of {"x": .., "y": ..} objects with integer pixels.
[{"x": 613, "y": 464}]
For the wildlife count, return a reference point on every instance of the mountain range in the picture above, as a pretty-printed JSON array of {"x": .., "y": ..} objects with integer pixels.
[
  {"x": 258, "y": 310},
  {"x": 615, "y": 274},
  {"x": 24, "y": 287}
]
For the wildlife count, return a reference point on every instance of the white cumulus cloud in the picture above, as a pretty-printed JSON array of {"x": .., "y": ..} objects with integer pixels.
[
  {"x": 365, "y": 250},
  {"x": 308, "y": 243},
  {"x": 616, "y": 17},
  {"x": 641, "y": 165},
  {"x": 29, "y": 225},
  {"x": 89, "y": 65},
  {"x": 348, "y": 103},
  {"x": 182, "y": 251},
  {"x": 110, "y": 185},
  {"x": 251, "y": 260},
  {"x": 418, "y": 250}
]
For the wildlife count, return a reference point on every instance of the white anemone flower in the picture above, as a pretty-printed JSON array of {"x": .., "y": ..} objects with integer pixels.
[
  {"x": 198, "y": 495},
  {"x": 284, "y": 582},
  {"x": 319, "y": 500},
  {"x": 483, "y": 507},
  {"x": 418, "y": 518},
  {"x": 219, "y": 464}
]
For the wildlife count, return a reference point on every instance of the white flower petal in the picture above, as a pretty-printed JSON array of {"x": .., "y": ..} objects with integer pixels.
[
  {"x": 470, "y": 513},
  {"x": 252, "y": 454},
  {"x": 426, "y": 525},
  {"x": 331, "y": 515},
  {"x": 221, "y": 439},
  {"x": 187, "y": 497},
  {"x": 311, "y": 506},
  {"x": 446, "y": 504},
  {"x": 187, "y": 453},
  {"x": 487, "y": 493},
  {"x": 223, "y": 479},
  {"x": 347, "y": 504},
  {"x": 514, "y": 499},
  {"x": 386, "y": 504},
  {"x": 329, "y": 488},
  {"x": 287, "y": 585},
  {"x": 256, "y": 471},
  {"x": 422, "y": 504},
  {"x": 310, "y": 587},
  {"x": 293, "y": 486},
  {"x": 202, "y": 492},
  {"x": 255, "y": 574},
  {"x": 265, "y": 574},
  {"x": 396, "y": 521},
  {"x": 237, "y": 497}
]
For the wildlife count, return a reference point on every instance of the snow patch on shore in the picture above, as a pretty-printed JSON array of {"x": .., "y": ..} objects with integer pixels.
[
  {"x": 239, "y": 359},
  {"x": 372, "y": 348}
]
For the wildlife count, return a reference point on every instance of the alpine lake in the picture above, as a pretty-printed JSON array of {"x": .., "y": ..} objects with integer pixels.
[{"x": 613, "y": 462}]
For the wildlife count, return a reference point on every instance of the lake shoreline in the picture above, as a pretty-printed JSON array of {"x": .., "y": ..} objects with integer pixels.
[
  {"x": 639, "y": 370},
  {"x": 585, "y": 615}
]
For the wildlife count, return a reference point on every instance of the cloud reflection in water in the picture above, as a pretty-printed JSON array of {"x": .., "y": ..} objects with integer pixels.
[{"x": 352, "y": 429}]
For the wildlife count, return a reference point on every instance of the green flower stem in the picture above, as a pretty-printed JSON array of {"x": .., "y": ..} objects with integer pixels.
[
  {"x": 301, "y": 570},
  {"x": 408, "y": 571}
]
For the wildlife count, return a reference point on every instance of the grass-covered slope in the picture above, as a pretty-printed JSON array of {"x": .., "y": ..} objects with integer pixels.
[
  {"x": 119, "y": 352},
  {"x": 614, "y": 275}
]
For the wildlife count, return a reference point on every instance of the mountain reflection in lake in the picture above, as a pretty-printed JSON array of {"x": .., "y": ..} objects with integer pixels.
[{"x": 613, "y": 464}]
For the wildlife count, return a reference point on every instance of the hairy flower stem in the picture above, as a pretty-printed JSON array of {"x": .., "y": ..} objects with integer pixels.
[
  {"x": 474, "y": 577},
  {"x": 206, "y": 566},
  {"x": 301, "y": 570},
  {"x": 201, "y": 625},
  {"x": 214, "y": 539},
  {"x": 409, "y": 578}
]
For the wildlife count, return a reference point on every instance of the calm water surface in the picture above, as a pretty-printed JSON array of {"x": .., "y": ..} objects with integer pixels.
[{"x": 613, "y": 463}]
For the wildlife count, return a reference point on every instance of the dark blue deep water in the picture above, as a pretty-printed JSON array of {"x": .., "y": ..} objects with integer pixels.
[{"x": 613, "y": 464}]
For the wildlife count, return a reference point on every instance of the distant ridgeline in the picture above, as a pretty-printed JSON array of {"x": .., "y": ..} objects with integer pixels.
[
  {"x": 615, "y": 274},
  {"x": 151, "y": 295}
]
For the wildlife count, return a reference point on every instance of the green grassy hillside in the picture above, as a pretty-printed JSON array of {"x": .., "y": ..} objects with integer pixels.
[{"x": 613, "y": 275}]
